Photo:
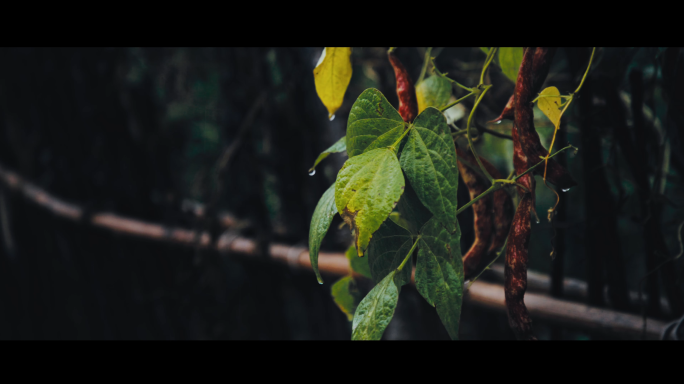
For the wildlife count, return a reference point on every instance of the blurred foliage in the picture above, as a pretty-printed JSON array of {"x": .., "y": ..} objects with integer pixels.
[{"x": 137, "y": 131}]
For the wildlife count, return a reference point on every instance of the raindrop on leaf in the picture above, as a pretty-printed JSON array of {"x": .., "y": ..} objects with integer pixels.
[
  {"x": 332, "y": 117},
  {"x": 312, "y": 172}
]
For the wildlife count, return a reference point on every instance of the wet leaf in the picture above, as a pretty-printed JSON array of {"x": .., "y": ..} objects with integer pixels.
[
  {"x": 373, "y": 123},
  {"x": 332, "y": 75},
  {"x": 434, "y": 91},
  {"x": 510, "y": 59},
  {"x": 366, "y": 190},
  {"x": 339, "y": 146},
  {"x": 429, "y": 160},
  {"x": 550, "y": 106},
  {"x": 390, "y": 245},
  {"x": 346, "y": 295},
  {"x": 375, "y": 311},
  {"x": 358, "y": 264},
  {"x": 320, "y": 222},
  {"x": 439, "y": 273},
  {"x": 412, "y": 210}
]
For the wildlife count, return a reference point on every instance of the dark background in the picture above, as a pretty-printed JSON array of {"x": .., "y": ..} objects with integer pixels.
[{"x": 140, "y": 132}]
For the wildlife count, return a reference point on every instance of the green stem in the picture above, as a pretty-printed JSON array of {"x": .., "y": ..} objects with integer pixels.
[
  {"x": 587, "y": 71},
  {"x": 470, "y": 140},
  {"x": 491, "y": 189},
  {"x": 459, "y": 133},
  {"x": 504, "y": 182},
  {"x": 406, "y": 131},
  {"x": 541, "y": 162},
  {"x": 401, "y": 266},
  {"x": 456, "y": 102},
  {"x": 490, "y": 56},
  {"x": 444, "y": 75},
  {"x": 425, "y": 65}
]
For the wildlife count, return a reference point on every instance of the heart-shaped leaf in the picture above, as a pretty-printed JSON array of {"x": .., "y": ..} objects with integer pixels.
[
  {"x": 320, "y": 222},
  {"x": 429, "y": 160},
  {"x": 390, "y": 245},
  {"x": 346, "y": 295},
  {"x": 375, "y": 311},
  {"x": 434, "y": 91},
  {"x": 510, "y": 59},
  {"x": 439, "y": 273},
  {"x": 373, "y": 123},
  {"x": 549, "y": 103},
  {"x": 331, "y": 77},
  {"x": 366, "y": 190},
  {"x": 358, "y": 264},
  {"x": 339, "y": 146}
]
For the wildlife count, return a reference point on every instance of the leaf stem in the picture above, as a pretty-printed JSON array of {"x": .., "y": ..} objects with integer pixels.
[
  {"x": 481, "y": 195},
  {"x": 425, "y": 65},
  {"x": 490, "y": 56},
  {"x": 553, "y": 140},
  {"x": 587, "y": 71},
  {"x": 406, "y": 131},
  {"x": 456, "y": 102},
  {"x": 470, "y": 140},
  {"x": 541, "y": 162},
  {"x": 401, "y": 266},
  {"x": 501, "y": 183},
  {"x": 444, "y": 75}
]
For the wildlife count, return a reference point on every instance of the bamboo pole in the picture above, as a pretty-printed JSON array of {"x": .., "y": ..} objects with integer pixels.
[{"x": 481, "y": 294}]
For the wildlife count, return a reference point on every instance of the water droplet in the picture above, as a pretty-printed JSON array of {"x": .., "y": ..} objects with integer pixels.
[
  {"x": 537, "y": 220},
  {"x": 312, "y": 172},
  {"x": 332, "y": 117},
  {"x": 497, "y": 122},
  {"x": 320, "y": 281},
  {"x": 565, "y": 189}
]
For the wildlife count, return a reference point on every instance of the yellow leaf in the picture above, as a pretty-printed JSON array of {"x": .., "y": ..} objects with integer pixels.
[
  {"x": 332, "y": 75},
  {"x": 549, "y": 103}
]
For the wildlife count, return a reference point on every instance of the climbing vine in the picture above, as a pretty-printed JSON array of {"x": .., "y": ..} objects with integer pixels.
[{"x": 397, "y": 192}]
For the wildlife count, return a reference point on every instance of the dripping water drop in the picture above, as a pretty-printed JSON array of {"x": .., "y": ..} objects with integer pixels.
[
  {"x": 497, "y": 122},
  {"x": 312, "y": 172},
  {"x": 537, "y": 220},
  {"x": 565, "y": 189},
  {"x": 332, "y": 117}
]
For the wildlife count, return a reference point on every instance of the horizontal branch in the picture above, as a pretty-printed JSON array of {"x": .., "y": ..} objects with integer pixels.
[{"x": 482, "y": 294}]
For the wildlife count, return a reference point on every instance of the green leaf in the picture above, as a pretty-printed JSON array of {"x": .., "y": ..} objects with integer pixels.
[
  {"x": 434, "y": 91},
  {"x": 399, "y": 220},
  {"x": 373, "y": 123},
  {"x": 439, "y": 273},
  {"x": 320, "y": 222},
  {"x": 429, "y": 160},
  {"x": 390, "y": 245},
  {"x": 358, "y": 264},
  {"x": 332, "y": 75},
  {"x": 339, "y": 146},
  {"x": 412, "y": 210},
  {"x": 346, "y": 295},
  {"x": 375, "y": 311},
  {"x": 510, "y": 59},
  {"x": 550, "y": 106},
  {"x": 367, "y": 188}
]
